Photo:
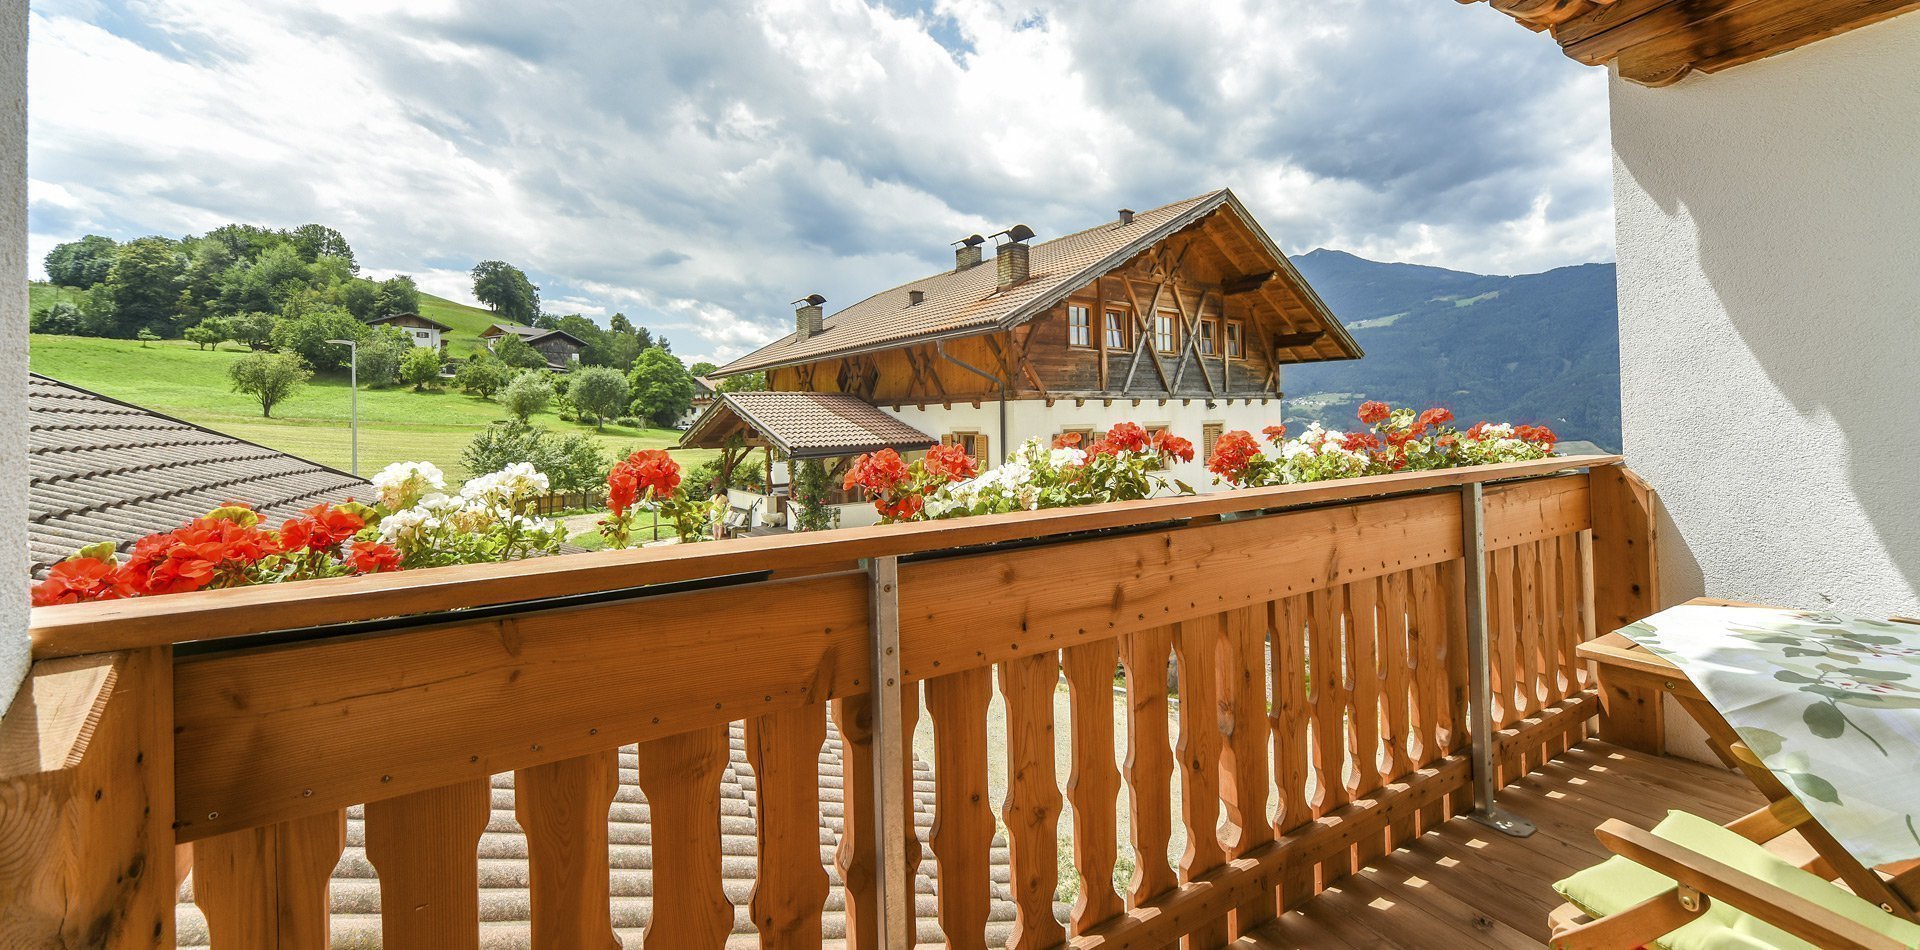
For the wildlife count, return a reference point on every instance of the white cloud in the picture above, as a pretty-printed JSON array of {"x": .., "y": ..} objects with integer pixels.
[{"x": 697, "y": 165}]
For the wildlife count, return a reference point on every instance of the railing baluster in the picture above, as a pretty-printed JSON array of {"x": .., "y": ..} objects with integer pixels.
[
  {"x": 1530, "y": 629},
  {"x": 962, "y": 815},
  {"x": 267, "y": 886},
  {"x": 1429, "y": 646},
  {"x": 1149, "y": 768},
  {"x": 1032, "y": 807},
  {"x": 1196, "y": 647},
  {"x": 1572, "y": 612},
  {"x": 1363, "y": 716},
  {"x": 562, "y": 806},
  {"x": 1329, "y": 697},
  {"x": 1396, "y": 686},
  {"x": 1243, "y": 693},
  {"x": 857, "y": 858},
  {"x": 1501, "y": 641},
  {"x": 425, "y": 849},
  {"x": 791, "y": 886},
  {"x": 680, "y": 777},
  {"x": 1093, "y": 786},
  {"x": 1292, "y": 711}
]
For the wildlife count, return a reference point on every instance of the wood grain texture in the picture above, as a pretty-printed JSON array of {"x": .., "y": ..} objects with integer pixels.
[
  {"x": 1625, "y": 589},
  {"x": 963, "y": 824},
  {"x": 1292, "y": 712},
  {"x": 86, "y": 804},
  {"x": 562, "y": 806},
  {"x": 1149, "y": 765},
  {"x": 790, "y": 887},
  {"x": 1196, "y": 648},
  {"x": 1243, "y": 762},
  {"x": 267, "y": 886},
  {"x": 1031, "y": 811},
  {"x": 1093, "y": 784},
  {"x": 424, "y": 846},
  {"x": 858, "y": 857},
  {"x": 680, "y": 777}
]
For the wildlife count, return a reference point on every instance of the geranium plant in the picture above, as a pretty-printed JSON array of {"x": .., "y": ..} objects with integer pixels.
[
  {"x": 482, "y": 522},
  {"x": 650, "y": 480},
  {"x": 899, "y": 489},
  {"x": 1393, "y": 440}
]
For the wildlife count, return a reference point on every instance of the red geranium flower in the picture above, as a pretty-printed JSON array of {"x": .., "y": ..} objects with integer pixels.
[
  {"x": 373, "y": 558},
  {"x": 80, "y": 579},
  {"x": 1374, "y": 411},
  {"x": 1128, "y": 436},
  {"x": 1173, "y": 445},
  {"x": 1539, "y": 435},
  {"x": 1477, "y": 430},
  {"x": 877, "y": 472},
  {"x": 1360, "y": 441},
  {"x": 1231, "y": 453},
  {"x": 1066, "y": 440},
  {"x": 1433, "y": 417},
  {"x": 950, "y": 462},
  {"x": 623, "y": 489},
  {"x": 1275, "y": 434}
]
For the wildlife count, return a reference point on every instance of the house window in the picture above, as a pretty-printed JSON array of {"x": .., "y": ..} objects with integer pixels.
[
  {"x": 1209, "y": 337},
  {"x": 973, "y": 443},
  {"x": 1236, "y": 334},
  {"x": 1209, "y": 436},
  {"x": 1116, "y": 330},
  {"x": 1079, "y": 326},
  {"x": 1086, "y": 436},
  {"x": 1155, "y": 461},
  {"x": 1163, "y": 334}
]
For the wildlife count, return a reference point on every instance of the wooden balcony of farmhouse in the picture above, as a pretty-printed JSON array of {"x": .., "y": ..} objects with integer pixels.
[{"x": 959, "y": 732}]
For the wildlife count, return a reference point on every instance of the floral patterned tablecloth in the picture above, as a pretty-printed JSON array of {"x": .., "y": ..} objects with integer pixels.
[{"x": 1829, "y": 702}]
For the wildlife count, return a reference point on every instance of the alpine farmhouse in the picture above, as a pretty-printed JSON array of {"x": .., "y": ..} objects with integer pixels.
[{"x": 1180, "y": 318}]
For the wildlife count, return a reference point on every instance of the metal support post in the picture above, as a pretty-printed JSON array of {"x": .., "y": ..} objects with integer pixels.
[{"x": 1480, "y": 668}]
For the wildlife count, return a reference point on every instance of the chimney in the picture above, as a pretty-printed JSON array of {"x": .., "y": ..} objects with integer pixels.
[
  {"x": 1126, "y": 216},
  {"x": 1010, "y": 259},
  {"x": 806, "y": 319},
  {"x": 966, "y": 252},
  {"x": 916, "y": 297}
]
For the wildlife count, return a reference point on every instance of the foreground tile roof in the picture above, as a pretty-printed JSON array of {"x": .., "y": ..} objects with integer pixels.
[
  {"x": 104, "y": 470},
  {"x": 505, "y": 909},
  {"x": 808, "y": 424}
]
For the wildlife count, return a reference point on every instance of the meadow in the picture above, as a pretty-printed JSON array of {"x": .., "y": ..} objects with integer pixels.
[{"x": 176, "y": 378}]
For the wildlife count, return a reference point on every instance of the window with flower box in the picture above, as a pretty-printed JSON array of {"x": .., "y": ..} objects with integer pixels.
[
  {"x": 1079, "y": 326},
  {"x": 1116, "y": 329},
  {"x": 1164, "y": 335}
]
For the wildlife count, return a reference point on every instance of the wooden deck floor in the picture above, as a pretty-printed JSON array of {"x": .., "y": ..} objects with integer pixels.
[{"x": 1466, "y": 885}]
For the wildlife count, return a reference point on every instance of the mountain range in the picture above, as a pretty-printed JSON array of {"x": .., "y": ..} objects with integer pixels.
[{"x": 1537, "y": 348}]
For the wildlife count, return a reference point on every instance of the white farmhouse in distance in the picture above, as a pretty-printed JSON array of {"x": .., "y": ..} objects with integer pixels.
[{"x": 425, "y": 333}]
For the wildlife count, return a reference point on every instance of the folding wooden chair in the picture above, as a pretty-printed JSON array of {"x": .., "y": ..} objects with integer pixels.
[{"x": 1690, "y": 884}]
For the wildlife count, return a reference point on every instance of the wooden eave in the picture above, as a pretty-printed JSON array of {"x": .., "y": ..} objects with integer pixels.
[{"x": 1659, "y": 42}]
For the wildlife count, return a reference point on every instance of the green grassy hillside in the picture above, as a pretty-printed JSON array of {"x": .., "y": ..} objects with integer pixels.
[
  {"x": 395, "y": 423},
  {"x": 467, "y": 322}
]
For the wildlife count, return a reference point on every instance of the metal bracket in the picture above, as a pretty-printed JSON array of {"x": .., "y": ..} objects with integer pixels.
[
  {"x": 896, "y": 916},
  {"x": 1473, "y": 521}
]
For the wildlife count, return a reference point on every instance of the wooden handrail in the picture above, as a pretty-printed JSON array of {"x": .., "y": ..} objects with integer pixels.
[{"x": 140, "y": 622}]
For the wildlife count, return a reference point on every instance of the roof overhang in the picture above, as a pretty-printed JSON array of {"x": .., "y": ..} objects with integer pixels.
[
  {"x": 814, "y": 425},
  {"x": 1659, "y": 42}
]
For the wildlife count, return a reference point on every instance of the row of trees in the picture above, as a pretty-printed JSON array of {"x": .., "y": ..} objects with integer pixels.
[
  {"x": 166, "y": 286},
  {"x": 658, "y": 390}
]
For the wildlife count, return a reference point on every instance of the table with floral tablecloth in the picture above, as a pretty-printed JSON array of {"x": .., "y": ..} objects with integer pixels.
[{"x": 1829, "y": 702}]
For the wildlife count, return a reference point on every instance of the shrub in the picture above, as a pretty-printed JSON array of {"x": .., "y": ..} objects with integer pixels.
[
  {"x": 306, "y": 336},
  {"x": 515, "y": 352},
  {"x": 381, "y": 354},
  {"x": 574, "y": 462},
  {"x": 421, "y": 368},
  {"x": 62, "y": 318},
  {"x": 482, "y": 376},
  {"x": 528, "y": 395}
]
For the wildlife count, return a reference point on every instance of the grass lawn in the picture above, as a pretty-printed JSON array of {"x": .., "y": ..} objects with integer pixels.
[
  {"x": 467, "y": 323},
  {"x": 396, "y": 424}
]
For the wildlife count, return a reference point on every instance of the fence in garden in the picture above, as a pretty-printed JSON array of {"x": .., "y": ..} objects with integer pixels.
[{"x": 1320, "y": 632}]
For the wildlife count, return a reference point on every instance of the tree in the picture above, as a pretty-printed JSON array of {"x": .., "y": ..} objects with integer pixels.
[
  {"x": 517, "y": 353},
  {"x": 702, "y": 368},
  {"x": 381, "y": 355},
  {"x": 267, "y": 281},
  {"x": 744, "y": 383},
  {"x": 398, "y": 294},
  {"x": 315, "y": 241},
  {"x": 662, "y": 387},
  {"x": 359, "y": 297},
  {"x": 575, "y": 462},
  {"x": 252, "y": 329},
  {"x": 482, "y": 376},
  {"x": 59, "y": 317},
  {"x": 528, "y": 394},
  {"x": 506, "y": 291},
  {"x": 421, "y": 368},
  {"x": 81, "y": 263},
  {"x": 202, "y": 336},
  {"x": 269, "y": 378},
  {"x": 598, "y": 391},
  {"x": 307, "y": 336},
  {"x": 144, "y": 284}
]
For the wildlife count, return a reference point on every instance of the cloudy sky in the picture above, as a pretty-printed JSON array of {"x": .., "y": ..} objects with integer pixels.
[{"x": 699, "y": 164}]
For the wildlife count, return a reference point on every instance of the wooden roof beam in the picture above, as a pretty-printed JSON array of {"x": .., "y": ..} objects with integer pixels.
[{"x": 1245, "y": 284}]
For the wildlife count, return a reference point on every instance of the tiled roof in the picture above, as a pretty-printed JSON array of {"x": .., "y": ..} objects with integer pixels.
[
  {"x": 811, "y": 425},
  {"x": 410, "y": 317},
  {"x": 104, "y": 470},
  {"x": 505, "y": 902},
  {"x": 527, "y": 333},
  {"x": 963, "y": 303}
]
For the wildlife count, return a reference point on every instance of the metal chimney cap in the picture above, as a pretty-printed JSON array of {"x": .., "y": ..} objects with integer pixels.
[
  {"x": 1017, "y": 233},
  {"x": 812, "y": 300}
]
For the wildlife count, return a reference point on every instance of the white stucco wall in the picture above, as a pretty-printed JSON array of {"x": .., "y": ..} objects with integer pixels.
[
  {"x": 1769, "y": 264},
  {"x": 13, "y": 347}
]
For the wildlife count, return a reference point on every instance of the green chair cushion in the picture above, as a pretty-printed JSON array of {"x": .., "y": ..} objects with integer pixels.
[{"x": 1617, "y": 884}]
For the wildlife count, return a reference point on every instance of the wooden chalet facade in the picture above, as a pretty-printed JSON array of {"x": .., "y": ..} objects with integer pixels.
[
  {"x": 562, "y": 349},
  {"x": 1181, "y": 318}
]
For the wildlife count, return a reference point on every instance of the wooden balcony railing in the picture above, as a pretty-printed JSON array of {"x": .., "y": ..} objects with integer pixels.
[{"x": 1319, "y": 634}]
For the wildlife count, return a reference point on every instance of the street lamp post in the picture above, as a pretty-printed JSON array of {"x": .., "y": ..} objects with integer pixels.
[{"x": 353, "y": 386}]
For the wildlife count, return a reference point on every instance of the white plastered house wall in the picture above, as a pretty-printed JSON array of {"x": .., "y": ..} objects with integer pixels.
[
  {"x": 14, "y": 644},
  {"x": 1768, "y": 234}
]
